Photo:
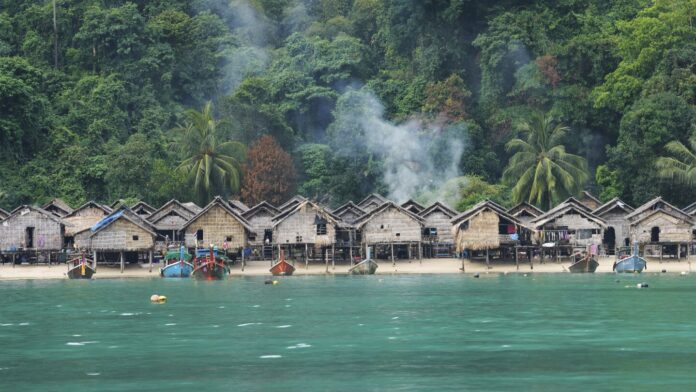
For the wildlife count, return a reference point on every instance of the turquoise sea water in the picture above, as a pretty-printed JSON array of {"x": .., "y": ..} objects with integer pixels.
[{"x": 539, "y": 332}]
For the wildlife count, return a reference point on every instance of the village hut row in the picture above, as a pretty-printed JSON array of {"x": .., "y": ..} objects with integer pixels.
[{"x": 308, "y": 230}]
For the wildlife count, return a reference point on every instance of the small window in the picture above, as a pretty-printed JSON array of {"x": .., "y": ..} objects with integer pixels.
[
  {"x": 228, "y": 238},
  {"x": 199, "y": 235},
  {"x": 321, "y": 229},
  {"x": 252, "y": 237},
  {"x": 135, "y": 238}
]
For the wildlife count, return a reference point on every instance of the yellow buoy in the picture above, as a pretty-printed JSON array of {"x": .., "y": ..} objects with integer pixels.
[{"x": 158, "y": 298}]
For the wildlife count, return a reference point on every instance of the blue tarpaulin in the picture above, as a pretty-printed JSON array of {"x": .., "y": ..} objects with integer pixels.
[{"x": 107, "y": 220}]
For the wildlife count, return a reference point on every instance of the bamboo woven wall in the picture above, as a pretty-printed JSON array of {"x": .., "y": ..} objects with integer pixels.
[
  {"x": 217, "y": 224},
  {"x": 391, "y": 225},
  {"x": 301, "y": 224},
  {"x": 442, "y": 223},
  {"x": 481, "y": 233},
  {"x": 261, "y": 221},
  {"x": 48, "y": 234},
  {"x": 83, "y": 219},
  {"x": 350, "y": 216},
  {"x": 119, "y": 236},
  {"x": 618, "y": 221},
  {"x": 671, "y": 229}
]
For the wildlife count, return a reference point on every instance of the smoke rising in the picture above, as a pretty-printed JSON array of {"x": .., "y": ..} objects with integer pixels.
[{"x": 418, "y": 156}]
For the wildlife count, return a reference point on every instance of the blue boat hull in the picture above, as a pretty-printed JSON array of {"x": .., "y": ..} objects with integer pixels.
[
  {"x": 630, "y": 264},
  {"x": 177, "y": 269}
]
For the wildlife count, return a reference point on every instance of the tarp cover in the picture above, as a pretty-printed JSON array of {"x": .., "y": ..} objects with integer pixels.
[{"x": 107, "y": 220}]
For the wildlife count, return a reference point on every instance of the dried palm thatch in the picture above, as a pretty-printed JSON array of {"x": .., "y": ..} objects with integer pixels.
[{"x": 479, "y": 232}]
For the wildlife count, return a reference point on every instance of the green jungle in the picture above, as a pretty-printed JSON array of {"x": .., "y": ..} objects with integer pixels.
[{"x": 456, "y": 100}]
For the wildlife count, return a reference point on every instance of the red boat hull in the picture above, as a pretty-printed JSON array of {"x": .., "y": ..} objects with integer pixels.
[{"x": 282, "y": 268}]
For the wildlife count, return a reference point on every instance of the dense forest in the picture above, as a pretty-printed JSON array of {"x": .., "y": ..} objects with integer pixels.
[{"x": 457, "y": 100}]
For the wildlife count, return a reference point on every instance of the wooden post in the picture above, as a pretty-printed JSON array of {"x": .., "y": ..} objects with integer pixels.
[
  {"x": 333, "y": 257},
  {"x": 149, "y": 256},
  {"x": 350, "y": 252},
  {"x": 420, "y": 252},
  {"x": 13, "y": 259},
  {"x": 123, "y": 262},
  {"x": 95, "y": 261},
  {"x": 391, "y": 244},
  {"x": 408, "y": 251},
  {"x": 462, "y": 256},
  {"x": 488, "y": 262},
  {"x": 325, "y": 253},
  {"x": 517, "y": 261},
  {"x": 49, "y": 258},
  {"x": 243, "y": 259},
  {"x": 306, "y": 256}
]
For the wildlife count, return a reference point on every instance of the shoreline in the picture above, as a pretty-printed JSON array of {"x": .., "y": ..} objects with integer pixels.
[{"x": 401, "y": 267}]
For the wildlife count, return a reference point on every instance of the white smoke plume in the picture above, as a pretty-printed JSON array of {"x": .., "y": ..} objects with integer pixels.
[{"x": 409, "y": 166}]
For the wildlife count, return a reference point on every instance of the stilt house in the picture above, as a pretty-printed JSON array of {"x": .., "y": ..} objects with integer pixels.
[
  {"x": 662, "y": 229},
  {"x": 31, "y": 228},
  {"x": 168, "y": 220},
  {"x": 617, "y": 233},
  {"x": 392, "y": 230},
  {"x": 58, "y": 207},
  {"x": 413, "y": 206},
  {"x": 308, "y": 229},
  {"x": 86, "y": 216},
  {"x": 260, "y": 218},
  {"x": 143, "y": 209},
  {"x": 217, "y": 224},
  {"x": 525, "y": 212},
  {"x": 438, "y": 240},
  {"x": 568, "y": 226},
  {"x": 371, "y": 202},
  {"x": 486, "y": 231}
]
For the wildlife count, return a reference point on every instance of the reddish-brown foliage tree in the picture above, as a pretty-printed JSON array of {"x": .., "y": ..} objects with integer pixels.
[
  {"x": 269, "y": 173},
  {"x": 547, "y": 66}
]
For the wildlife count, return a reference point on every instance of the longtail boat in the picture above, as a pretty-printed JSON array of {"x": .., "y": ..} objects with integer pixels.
[
  {"x": 206, "y": 266},
  {"x": 282, "y": 267},
  {"x": 586, "y": 263},
  {"x": 632, "y": 263},
  {"x": 177, "y": 264},
  {"x": 80, "y": 268},
  {"x": 365, "y": 267}
]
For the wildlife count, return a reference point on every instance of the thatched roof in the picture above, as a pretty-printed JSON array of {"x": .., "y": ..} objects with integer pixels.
[
  {"x": 264, "y": 206},
  {"x": 612, "y": 205},
  {"x": 323, "y": 212},
  {"x": 19, "y": 210},
  {"x": 238, "y": 206},
  {"x": 654, "y": 205},
  {"x": 193, "y": 206},
  {"x": 218, "y": 201},
  {"x": 413, "y": 206},
  {"x": 3, "y": 214},
  {"x": 122, "y": 213},
  {"x": 386, "y": 205},
  {"x": 58, "y": 207},
  {"x": 589, "y": 199},
  {"x": 142, "y": 208},
  {"x": 525, "y": 208},
  {"x": 567, "y": 207},
  {"x": 292, "y": 203},
  {"x": 171, "y": 207},
  {"x": 346, "y": 209},
  {"x": 438, "y": 206},
  {"x": 690, "y": 209},
  {"x": 78, "y": 222},
  {"x": 490, "y": 204},
  {"x": 372, "y": 201}
]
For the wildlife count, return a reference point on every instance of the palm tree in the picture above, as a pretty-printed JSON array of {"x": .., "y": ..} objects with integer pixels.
[
  {"x": 211, "y": 164},
  {"x": 542, "y": 172},
  {"x": 680, "y": 166}
]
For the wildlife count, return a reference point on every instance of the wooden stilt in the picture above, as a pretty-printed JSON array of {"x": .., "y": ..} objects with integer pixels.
[
  {"x": 95, "y": 261},
  {"x": 517, "y": 261},
  {"x": 462, "y": 256},
  {"x": 408, "y": 250},
  {"x": 333, "y": 257},
  {"x": 123, "y": 262},
  {"x": 392, "y": 254},
  {"x": 149, "y": 256},
  {"x": 350, "y": 252},
  {"x": 488, "y": 262},
  {"x": 243, "y": 263},
  {"x": 325, "y": 253},
  {"x": 420, "y": 252}
]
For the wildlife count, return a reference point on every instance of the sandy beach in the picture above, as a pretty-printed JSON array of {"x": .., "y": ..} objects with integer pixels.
[{"x": 260, "y": 268}]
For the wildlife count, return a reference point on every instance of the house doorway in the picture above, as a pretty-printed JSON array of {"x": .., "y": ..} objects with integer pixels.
[
  {"x": 655, "y": 234},
  {"x": 29, "y": 238},
  {"x": 610, "y": 240}
]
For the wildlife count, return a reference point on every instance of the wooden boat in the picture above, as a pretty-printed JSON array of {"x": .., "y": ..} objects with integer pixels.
[
  {"x": 365, "y": 267},
  {"x": 632, "y": 263},
  {"x": 177, "y": 264},
  {"x": 586, "y": 263},
  {"x": 208, "y": 266},
  {"x": 80, "y": 268},
  {"x": 282, "y": 267}
]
